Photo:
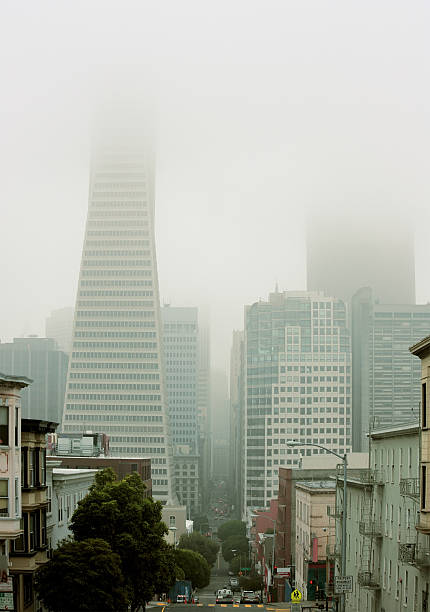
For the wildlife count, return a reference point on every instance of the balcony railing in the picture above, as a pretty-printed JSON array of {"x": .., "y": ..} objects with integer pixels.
[
  {"x": 368, "y": 580},
  {"x": 368, "y": 476},
  {"x": 406, "y": 553},
  {"x": 410, "y": 487},
  {"x": 371, "y": 529},
  {"x": 422, "y": 557}
]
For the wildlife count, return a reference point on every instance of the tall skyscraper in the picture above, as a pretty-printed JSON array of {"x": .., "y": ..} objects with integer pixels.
[
  {"x": 237, "y": 468},
  {"x": 41, "y": 360},
  {"x": 386, "y": 377},
  {"x": 181, "y": 359},
  {"x": 59, "y": 327},
  {"x": 297, "y": 385},
  {"x": 115, "y": 381},
  {"x": 349, "y": 250}
]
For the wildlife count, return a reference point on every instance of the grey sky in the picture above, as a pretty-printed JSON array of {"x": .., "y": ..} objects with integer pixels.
[{"x": 263, "y": 109}]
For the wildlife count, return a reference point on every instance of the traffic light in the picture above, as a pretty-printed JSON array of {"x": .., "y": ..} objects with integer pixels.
[
  {"x": 311, "y": 582},
  {"x": 275, "y": 569}
]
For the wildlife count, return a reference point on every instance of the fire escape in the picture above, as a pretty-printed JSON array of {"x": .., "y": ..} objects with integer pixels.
[
  {"x": 370, "y": 529},
  {"x": 409, "y": 550}
]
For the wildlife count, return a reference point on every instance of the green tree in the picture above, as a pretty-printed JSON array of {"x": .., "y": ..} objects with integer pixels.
[
  {"x": 231, "y": 528},
  {"x": 194, "y": 566},
  {"x": 117, "y": 512},
  {"x": 201, "y": 523},
  {"x": 238, "y": 543},
  {"x": 201, "y": 544},
  {"x": 82, "y": 576}
]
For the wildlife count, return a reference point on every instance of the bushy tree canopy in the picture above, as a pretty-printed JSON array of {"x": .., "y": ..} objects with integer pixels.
[
  {"x": 231, "y": 528},
  {"x": 201, "y": 544},
  {"x": 239, "y": 543},
  {"x": 117, "y": 512},
  {"x": 82, "y": 576},
  {"x": 194, "y": 566}
]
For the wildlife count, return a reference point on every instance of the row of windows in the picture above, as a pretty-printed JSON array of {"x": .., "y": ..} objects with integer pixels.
[
  {"x": 109, "y": 355},
  {"x": 116, "y": 366},
  {"x": 115, "y": 334},
  {"x": 111, "y": 314},
  {"x": 115, "y": 204},
  {"x": 122, "y": 184},
  {"x": 115, "y": 387},
  {"x": 115, "y": 324},
  {"x": 116, "y": 263},
  {"x": 116, "y": 283},
  {"x": 33, "y": 537},
  {"x": 115, "y": 253},
  {"x": 116, "y": 273},
  {"x": 97, "y": 194},
  {"x": 117, "y": 233},
  {"x": 116, "y": 223},
  {"x": 108, "y": 376},
  {"x": 114, "y": 398},
  {"x": 119, "y": 419},
  {"x": 117, "y": 243},
  {"x": 110, "y": 344},
  {"x": 147, "y": 418},
  {"x": 116, "y": 303},
  {"x": 110, "y": 293},
  {"x": 97, "y": 214}
]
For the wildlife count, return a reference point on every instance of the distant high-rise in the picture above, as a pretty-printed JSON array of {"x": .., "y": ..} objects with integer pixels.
[
  {"x": 386, "y": 378},
  {"x": 41, "y": 360},
  {"x": 181, "y": 360},
  {"x": 346, "y": 252},
  {"x": 59, "y": 327},
  {"x": 116, "y": 377},
  {"x": 297, "y": 385}
]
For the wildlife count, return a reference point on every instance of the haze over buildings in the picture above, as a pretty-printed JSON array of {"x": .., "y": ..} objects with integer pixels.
[{"x": 116, "y": 376}]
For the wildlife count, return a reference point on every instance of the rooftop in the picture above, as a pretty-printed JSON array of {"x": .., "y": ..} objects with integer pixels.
[
  {"x": 317, "y": 485},
  {"x": 19, "y": 381},
  {"x": 400, "y": 430}
]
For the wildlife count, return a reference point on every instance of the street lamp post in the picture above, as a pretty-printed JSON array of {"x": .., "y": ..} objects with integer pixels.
[{"x": 295, "y": 443}]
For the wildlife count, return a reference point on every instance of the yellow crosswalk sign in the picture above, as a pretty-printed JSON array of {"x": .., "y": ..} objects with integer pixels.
[{"x": 296, "y": 595}]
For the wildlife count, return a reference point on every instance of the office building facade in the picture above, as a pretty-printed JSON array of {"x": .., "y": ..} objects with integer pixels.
[
  {"x": 386, "y": 377},
  {"x": 42, "y": 361},
  {"x": 115, "y": 380},
  {"x": 297, "y": 385},
  {"x": 59, "y": 327}
]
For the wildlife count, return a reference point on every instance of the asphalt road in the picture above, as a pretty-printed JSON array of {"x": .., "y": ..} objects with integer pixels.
[{"x": 211, "y": 606}]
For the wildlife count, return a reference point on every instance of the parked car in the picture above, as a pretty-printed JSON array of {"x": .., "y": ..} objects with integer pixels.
[
  {"x": 249, "y": 597},
  {"x": 196, "y": 599},
  {"x": 181, "y": 599},
  {"x": 224, "y": 596}
]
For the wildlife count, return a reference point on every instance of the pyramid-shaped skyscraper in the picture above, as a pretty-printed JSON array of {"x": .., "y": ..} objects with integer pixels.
[{"x": 115, "y": 382}]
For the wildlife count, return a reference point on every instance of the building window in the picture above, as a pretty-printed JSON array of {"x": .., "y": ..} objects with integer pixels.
[
  {"x": 424, "y": 405},
  {"x": 17, "y": 496},
  {"x": 19, "y": 545},
  {"x": 172, "y": 521},
  {"x": 43, "y": 467},
  {"x": 31, "y": 466},
  {"x": 16, "y": 426},
  {"x": 49, "y": 499},
  {"x": 423, "y": 486},
  {"x": 24, "y": 467},
  {"x": 4, "y": 425},
  {"x": 60, "y": 509},
  {"x": 4, "y": 497},
  {"x": 43, "y": 527},
  {"x": 32, "y": 531},
  {"x": 28, "y": 589}
]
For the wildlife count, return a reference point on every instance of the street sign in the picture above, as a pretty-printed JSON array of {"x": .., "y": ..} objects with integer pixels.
[
  {"x": 245, "y": 569},
  {"x": 296, "y": 596},
  {"x": 6, "y": 601},
  {"x": 343, "y": 584}
]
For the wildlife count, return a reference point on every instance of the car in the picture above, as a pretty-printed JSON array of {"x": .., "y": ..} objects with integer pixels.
[
  {"x": 196, "y": 599},
  {"x": 224, "y": 596},
  {"x": 181, "y": 599},
  {"x": 231, "y": 573},
  {"x": 249, "y": 597}
]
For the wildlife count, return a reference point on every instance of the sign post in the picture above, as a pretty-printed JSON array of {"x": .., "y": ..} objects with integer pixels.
[{"x": 343, "y": 584}]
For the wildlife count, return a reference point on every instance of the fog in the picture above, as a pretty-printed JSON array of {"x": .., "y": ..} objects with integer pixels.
[{"x": 262, "y": 113}]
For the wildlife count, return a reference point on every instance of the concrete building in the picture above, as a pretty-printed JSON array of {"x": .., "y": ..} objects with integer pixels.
[
  {"x": 181, "y": 359},
  {"x": 29, "y": 551},
  {"x": 11, "y": 515},
  {"x": 237, "y": 466},
  {"x": 122, "y": 466},
  {"x": 116, "y": 373},
  {"x": 65, "y": 488},
  {"x": 310, "y": 469},
  {"x": 387, "y": 554},
  {"x": 204, "y": 410},
  {"x": 348, "y": 249},
  {"x": 385, "y": 376},
  {"x": 297, "y": 385},
  {"x": 59, "y": 327},
  {"x": 175, "y": 517},
  {"x": 40, "y": 360},
  {"x": 315, "y": 532}
]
